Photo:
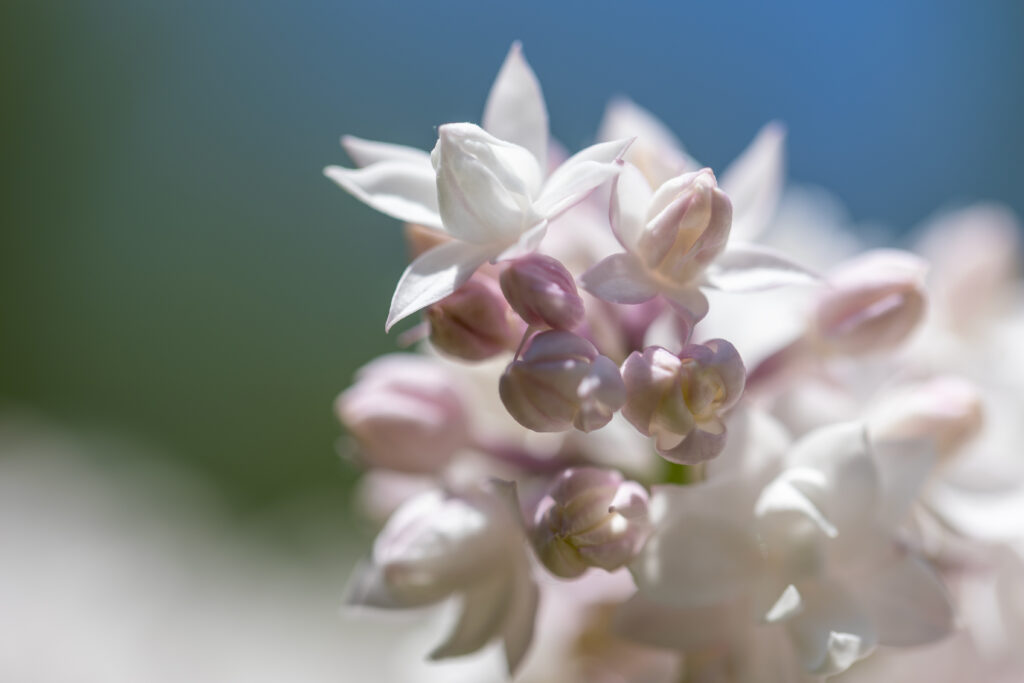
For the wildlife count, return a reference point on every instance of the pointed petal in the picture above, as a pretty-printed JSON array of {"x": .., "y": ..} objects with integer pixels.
[
  {"x": 400, "y": 189},
  {"x": 690, "y": 306},
  {"x": 908, "y": 603},
  {"x": 631, "y": 194},
  {"x": 433, "y": 276},
  {"x": 831, "y": 632},
  {"x": 657, "y": 150},
  {"x": 751, "y": 268},
  {"x": 515, "y": 109},
  {"x": 579, "y": 175},
  {"x": 754, "y": 182},
  {"x": 484, "y": 608},
  {"x": 368, "y": 588},
  {"x": 366, "y": 152},
  {"x": 619, "y": 279},
  {"x": 519, "y": 623}
]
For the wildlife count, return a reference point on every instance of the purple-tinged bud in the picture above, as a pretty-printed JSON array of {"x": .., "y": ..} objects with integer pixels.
[
  {"x": 590, "y": 517},
  {"x": 687, "y": 226},
  {"x": 474, "y": 322},
  {"x": 946, "y": 411},
  {"x": 405, "y": 413},
  {"x": 876, "y": 302},
  {"x": 680, "y": 400},
  {"x": 562, "y": 382},
  {"x": 542, "y": 292}
]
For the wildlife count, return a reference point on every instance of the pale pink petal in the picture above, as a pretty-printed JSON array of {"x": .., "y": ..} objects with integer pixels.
[
  {"x": 903, "y": 467},
  {"x": 580, "y": 175},
  {"x": 366, "y": 152},
  {"x": 519, "y": 623},
  {"x": 751, "y": 268},
  {"x": 628, "y": 211},
  {"x": 658, "y": 151},
  {"x": 433, "y": 276},
  {"x": 754, "y": 182},
  {"x": 907, "y": 602},
  {"x": 484, "y": 609},
  {"x": 698, "y": 446},
  {"x": 620, "y": 279},
  {"x": 402, "y": 190},
  {"x": 515, "y": 109},
  {"x": 653, "y": 623}
]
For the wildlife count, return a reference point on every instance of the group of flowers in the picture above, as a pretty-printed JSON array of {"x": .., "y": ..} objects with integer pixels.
[{"x": 614, "y": 491}]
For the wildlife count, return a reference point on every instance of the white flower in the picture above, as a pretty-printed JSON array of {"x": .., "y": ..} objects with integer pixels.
[
  {"x": 486, "y": 188},
  {"x": 469, "y": 543},
  {"x": 813, "y": 555}
]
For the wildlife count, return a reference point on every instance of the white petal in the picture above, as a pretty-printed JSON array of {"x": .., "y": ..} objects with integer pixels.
[
  {"x": 631, "y": 195},
  {"x": 526, "y": 244},
  {"x": 367, "y": 588},
  {"x": 831, "y": 632},
  {"x": 657, "y": 150},
  {"x": 400, "y": 189},
  {"x": 579, "y": 175},
  {"x": 515, "y": 109},
  {"x": 484, "y": 609},
  {"x": 751, "y": 268},
  {"x": 903, "y": 467},
  {"x": 700, "y": 552},
  {"x": 620, "y": 279},
  {"x": 908, "y": 603},
  {"x": 433, "y": 276},
  {"x": 519, "y": 624},
  {"x": 484, "y": 185},
  {"x": 366, "y": 152},
  {"x": 754, "y": 182}
]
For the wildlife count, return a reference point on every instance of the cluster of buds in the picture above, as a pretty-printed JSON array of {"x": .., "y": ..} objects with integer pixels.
[{"x": 574, "y": 413}]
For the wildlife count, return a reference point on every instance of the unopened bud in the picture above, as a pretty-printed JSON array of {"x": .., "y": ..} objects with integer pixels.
[
  {"x": 542, "y": 292},
  {"x": 680, "y": 400},
  {"x": 877, "y": 300},
  {"x": 562, "y": 382},
  {"x": 474, "y": 322},
  {"x": 947, "y": 411},
  {"x": 405, "y": 414},
  {"x": 688, "y": 223},
  {"x": 590, "y": 517}
]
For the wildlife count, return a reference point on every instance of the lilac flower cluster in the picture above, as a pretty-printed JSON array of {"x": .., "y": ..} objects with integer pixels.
[{"x": 722, "y": 460}]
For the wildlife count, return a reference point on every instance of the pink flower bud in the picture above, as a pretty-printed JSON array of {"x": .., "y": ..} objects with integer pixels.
[
  {"x": 680, "y": 400},
  {"x": 562, "y": 382},
  {"x": 687, "y": 226},
  {"x": 474, "y": 322},
  {"x": 946, "y": 411},
  {"x": 590, "y": 517},
  {"x": 542, "y": 292},
  {"x": 404, "y": 413},
  {"x": 877, "y": 300}
]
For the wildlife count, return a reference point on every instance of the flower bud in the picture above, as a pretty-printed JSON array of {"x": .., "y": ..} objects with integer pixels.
[
  {"x": 474, "y": 322},
  {"x": 687, "y": 226},
  {"x": 680, "y": 400},
  {"x": 877, "y": 300},
  {"x": 590, "y": 517},
  {"x": 542, "y": 292},
  {"x": 405, "y": 414},
  {"x": 562, "y": 382},
  {"x": 947, "y": 411}
]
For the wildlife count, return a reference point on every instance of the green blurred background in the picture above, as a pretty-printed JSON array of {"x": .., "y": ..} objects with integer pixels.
[{"x": 174, "y": 268}]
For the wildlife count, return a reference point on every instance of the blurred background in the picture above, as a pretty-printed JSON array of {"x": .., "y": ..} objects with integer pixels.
[{"x": 183, "y": 293}]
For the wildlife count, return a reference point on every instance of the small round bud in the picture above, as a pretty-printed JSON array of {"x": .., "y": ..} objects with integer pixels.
[
  {"x": 562, "y": 382},
  {"x": 542, "y": 292},
  {"x": 590, "y": 517},
  {"x": 680, "y": 400},
  {"x": 474, "y": 322},
  {"x": 405, "y": 414},
  {"x": 877, "y": 300}
]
